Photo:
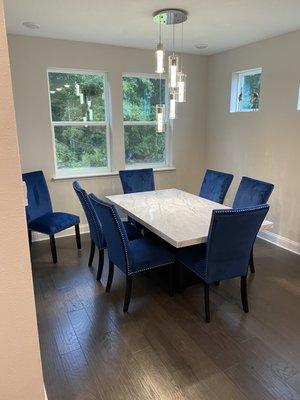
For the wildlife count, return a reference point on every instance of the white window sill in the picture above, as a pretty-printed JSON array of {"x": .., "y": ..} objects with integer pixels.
[
  {"x": 107, "y": 173},
  {"x": 244, "y": 111}
]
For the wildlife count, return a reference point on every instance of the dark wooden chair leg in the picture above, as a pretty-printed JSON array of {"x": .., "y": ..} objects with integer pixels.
[
  {"x": 206, "y": 302},
  {"x": 127, "y": 293},
  {"x": 30, "y": 237},
  {"x": 171, "y": 280},
  {"x": 100, "y": 264},
  {"x": 244, "y": 293},
  {"x": 53, "y": 249},
  {"x": 78, "y": 240},
  {"x": 251, "y": 262},
  {"x": 92, "y": 253},
  {"x": 110, "y": 276},
  {"x": 217, "y": 283}
]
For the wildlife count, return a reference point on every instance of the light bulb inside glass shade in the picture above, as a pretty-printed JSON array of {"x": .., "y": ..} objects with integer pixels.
[
  {"x": 181, "y": 84},
  {"x": 172, "y": 111},
  {"x": 160, "y": 117},
  {"x": 173, "y": 68},
  {"x": 159, "y": 55}
]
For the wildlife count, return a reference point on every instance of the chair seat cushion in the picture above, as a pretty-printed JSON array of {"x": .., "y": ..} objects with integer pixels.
[
  {"x": 193, "y": 257},
  {"x": 147, "y": 253},
  {"x": 132, "y": 232},
  {"x": 54, "y": 222}
]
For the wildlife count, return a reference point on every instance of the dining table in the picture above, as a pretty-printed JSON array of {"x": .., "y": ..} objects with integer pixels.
[{"x": 179, "y": 218}]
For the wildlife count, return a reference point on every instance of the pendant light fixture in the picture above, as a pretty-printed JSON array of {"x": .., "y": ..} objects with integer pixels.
[
  {"x": 181, "y": 76},
  {"x": 160, "y": 118},
  {"x": 160, "y": 111},
  {"x": 173, "y": 69},
  {"x": 159, "y": 55},
  {"x": 181, "y": 84},
  {"x": 177, "y": 78},
  {"x": 173, "y": 63},
  {"x": 172, "y": 110}
]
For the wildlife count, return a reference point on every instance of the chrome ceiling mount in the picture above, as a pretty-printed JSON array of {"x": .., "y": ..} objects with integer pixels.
[{"x": 170, "y": 16}]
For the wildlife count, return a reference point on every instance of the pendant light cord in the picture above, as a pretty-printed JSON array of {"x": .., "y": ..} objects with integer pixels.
[
  {"x": 181, "y": 61},
  {"x": 160, "y": 75},
  {"x": 159, "y": 35},
  {"x": 173, "y": 38}
]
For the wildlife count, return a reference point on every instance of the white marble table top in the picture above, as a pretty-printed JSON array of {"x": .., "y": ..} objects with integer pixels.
[{"x": 180, "y": 218}]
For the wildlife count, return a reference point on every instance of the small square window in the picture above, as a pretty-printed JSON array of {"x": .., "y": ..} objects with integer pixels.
[{"x": 245, "y": 90}]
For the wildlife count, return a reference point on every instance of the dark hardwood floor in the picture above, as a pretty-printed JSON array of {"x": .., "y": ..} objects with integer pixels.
[{"x": 163, "y": 349}]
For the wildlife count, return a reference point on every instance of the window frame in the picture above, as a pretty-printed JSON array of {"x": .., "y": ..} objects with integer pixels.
[
  {"x": 71, "y": 172},
  {"x": 237, "y": 80},
  {"x": 168, "y": 123}
]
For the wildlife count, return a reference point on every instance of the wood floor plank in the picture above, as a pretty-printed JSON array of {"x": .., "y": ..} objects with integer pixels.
[
  {"x": 248, "y": 384},
  {"x": 162, "y": 348},
  {"x": 79, "y": 376}
]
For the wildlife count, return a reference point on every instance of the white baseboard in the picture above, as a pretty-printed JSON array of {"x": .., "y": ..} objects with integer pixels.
[
  {"x": 280, "y": 241},
  {"x": 46, "y": 397},
  {"x": 36, "y": 236},
  {"x": 271, "y": 237}
]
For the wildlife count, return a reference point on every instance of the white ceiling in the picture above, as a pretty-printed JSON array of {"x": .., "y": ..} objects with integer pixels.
[{"x": 223, "y": 24}]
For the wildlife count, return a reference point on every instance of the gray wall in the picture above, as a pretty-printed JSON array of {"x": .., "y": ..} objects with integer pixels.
[
  {"x": 263, "y": 144},
  {"x": 30, "y": 58}
]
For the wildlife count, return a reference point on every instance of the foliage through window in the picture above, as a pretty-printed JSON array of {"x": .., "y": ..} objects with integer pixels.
[
  {"x": 143, "y": 145},
  {"x": 245, "y": 90},
  {"x": 79, "y": 120}
]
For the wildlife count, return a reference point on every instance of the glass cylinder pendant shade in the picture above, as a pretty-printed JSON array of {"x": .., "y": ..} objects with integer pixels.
[
  {"x": 160, "y": 117},
  {"x": 159, "y": 55},
  {"x": 181, "y": 84},
  {"x": 172, "y": 111},
  {"x": 173, "y": 69}
]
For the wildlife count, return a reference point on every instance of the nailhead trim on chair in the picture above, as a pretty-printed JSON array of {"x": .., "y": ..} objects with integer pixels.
[
  {"x": 238, "y": 210},
  {"x": 123, "y": 239},
  {"x": 147, "y": 268},
  {"x": 128, "y": 266},
  {"x": 234, "y": 211},
  {"x": 100, "y": 239}
]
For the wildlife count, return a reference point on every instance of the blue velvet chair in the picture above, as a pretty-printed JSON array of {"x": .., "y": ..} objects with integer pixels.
[
  {"x": 227, "y": 251},
  {"x": 95, "y": 227},
  {"x": 130, "y": 257},
  {"x": 215, "y": 185},
  {"x": 40, "y": 215},
  {"x": 250, "y": 193},
  {"x": 137, "y": 180}
]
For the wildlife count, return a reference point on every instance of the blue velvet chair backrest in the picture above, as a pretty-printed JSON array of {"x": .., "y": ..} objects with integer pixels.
[
  {"x": 117, "y": 242},
  {"x": 252, "y": 192},
  {"x": 215, "y": 185},
  {"x": 231, "y": 236},
  {"x": 96, "y": 231},
  {"x": 137, "y": 180},
  {"x": 39, "y": 201}
]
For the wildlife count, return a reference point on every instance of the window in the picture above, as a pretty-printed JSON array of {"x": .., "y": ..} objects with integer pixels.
[
  {"x": 143, "y": 145},
  {"x": 79, "y": 121},
  {"x": 245, "y": 90}
]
